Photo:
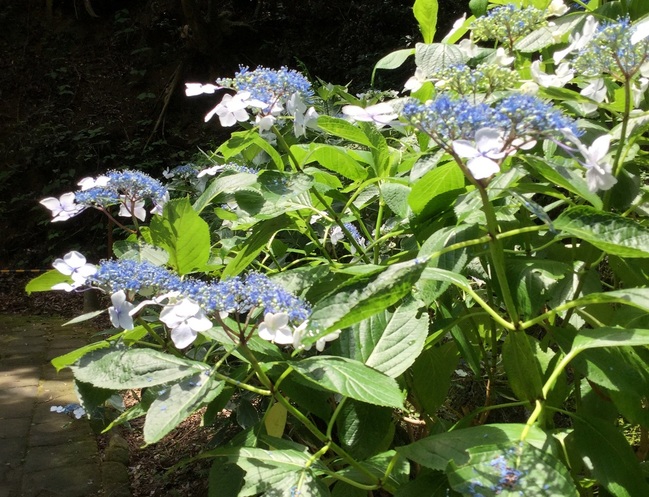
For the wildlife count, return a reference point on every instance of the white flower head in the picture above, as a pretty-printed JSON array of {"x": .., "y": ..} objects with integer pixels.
[
  {"x": 74, "y": 265},
  {"x": 483, "y": 155},
  {"x": 381, "y": 114},
  {"x": 265, "y": 122},
  {"x": 578, "y": 40},
  {"x": 275, "y": 328},
  {"x": 120, "y": 311},
  {"x": 469, "y": 48},
  {"x": 562, "y": 75},
  {"x": 88, "y": 183},
  {"x": 598, "y": 168},
  {"x": 417, "y": 81},
  {"x": 502, "y": 58},
  {"x": 63, "y": 208},
  {"x": 129, "y": 207},
  {"x": 232, "y": 108},
  {"x": 210, "y": 171},
  {"x": 641, "y": 31},
  {"x": 556, "y": 8},
  {"x": 638, "y": 90},
  {"x": 193, "y": 89},
  {"x": 158, "y": 207},
  {"x": 301, "y": 332},
  {"x": 185, "y": 318}
]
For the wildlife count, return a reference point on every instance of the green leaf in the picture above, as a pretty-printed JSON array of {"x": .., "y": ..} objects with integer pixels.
[
  {"x": 336, "y": 159},
  {"x": 434, "y": 57},
  {"x": 392, "y": 61},
  {"x": 351, "y": 379},
  {"x": 140, "y": 251},
  {"x": 351, "y": 304},
  {"x": 46, "y": 281},
  {"x": 65, "y": 360},
  {"x": 228, "y": 183},
  {"x": 225, "y": 479},
  {"x": 183, "y": 234},
  {"x": 282, "y": 473},
  {"x": 609, "y": 457},
  {"x": 549, "y": 35},
  {"x": 614, "y": 234},
  {"x": 437, "y": 189},
  {"x": 609, "y": 337},
  {"x": 84, "y": 317},
  {"x": 512, "y": 470},
  {"x": 364, "y": 430},
  {"x": 343, "y": 129},
  {"x": 564, "y": 177},
  {"x": 132, "y": 368},
  {"x": 377, "y": 466},
  {"x": 431, "y": 375},
  {"x": 436, "y": 451},
  {"x": 176, "y": 402},
  {"x": 427, "y": 484},
  {"x": 395, "y": 196},
  {"x": 389, "y": 342},
  {"x": 478, "y": 7},
  {"x": 533, "y": 281},
  {"x": 426, "y": 14},
  {"x": 522, "y": 367}
]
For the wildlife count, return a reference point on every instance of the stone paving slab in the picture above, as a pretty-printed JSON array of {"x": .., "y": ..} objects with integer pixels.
[{"x": 43, "y": 453}]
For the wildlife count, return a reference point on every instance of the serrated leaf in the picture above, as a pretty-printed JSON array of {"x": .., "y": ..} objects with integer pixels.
[
  {"x": 431, "y": 375},
  {"x": 436, "y": 451},
  {"x": 395, "y": 196},
  {"x": 512, "y": 470},
  {"x": 392, "y": 61},
  {"x": 364, "y": 430},
  {"x": 351, "y": 304},
  {"x": 176, "y": 402},
  {"x": 46, "y": 281},
  {"x": 183, "y": 234},
  {"x": 432, "y": 58},
  {"x": 612, "y": 233},
  {"x": 522, "y": 367},
  {"x": 132, "y": 368},
  {"x": 549, "y": 35},
  {"x": 436, "y": 190},
  {"x": 65, "y": 360},
  {"x": 229, "y": 183},
  {"x": 609, "y": 457},
  {"x": 337, "y": 159},
  {"x": 351, "y": 379},
  {"x": 343, "y": 129},
  {"x": 426, "y": 14}
]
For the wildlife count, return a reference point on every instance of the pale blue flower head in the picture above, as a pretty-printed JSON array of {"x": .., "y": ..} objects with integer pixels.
[
  {"x": 612, "y": 51},
  {"x": 271, "y": 86}
]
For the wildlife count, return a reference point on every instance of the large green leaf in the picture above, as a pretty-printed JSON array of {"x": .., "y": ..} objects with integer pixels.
[
  {"x": 351, "y": 304},
  {"x": 564, "y": 177},
  {"x": 183, "y": 234},
  {"x": 512, "y": 470},
  {"x": 343, "y": 129},
  {"x": 262, "y": 233},
  {"x": 228, "y": 183},
  {"x": 426, "y": 14},
  {"x": 364, "y": 430},
  {"x": 549, "y": 35},
  {"x": 432, "y": 58},
  {"x": 431, "y": 375},
  {"x": 609, "y": 337},
  {"x": 612, "y": 233},
  {"x": 65, "y": 360},
  {"x": 522, "y": 367},
  {"x": 46, "y": 281},
  {"x": 392, "y": 60},
  {"x": 533, "y": 281},
  {"x": 177, "y": 402},
  {"x": 351, "y": 379},
  {"x": 132, "y": 368},
  {"x": 377, "y": 466},
  {"x": 281, "y": 473},
  {"x": 437, "y": 189},
  {"x": 436, "y": 451},
  {"x": 389, "y": 342},
  {"x": 336, "y": 159},
  {"x": 609, "y": 457}
]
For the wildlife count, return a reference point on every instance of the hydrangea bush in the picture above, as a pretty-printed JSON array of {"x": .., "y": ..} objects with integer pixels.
[{"x": 435, "y": 291}]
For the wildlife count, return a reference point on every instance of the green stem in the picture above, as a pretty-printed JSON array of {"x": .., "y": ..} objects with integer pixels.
[
  {"x": 377, "y": 228},
  {"x": 334, "y": 416},
  {"x": 617, "y": 161}
]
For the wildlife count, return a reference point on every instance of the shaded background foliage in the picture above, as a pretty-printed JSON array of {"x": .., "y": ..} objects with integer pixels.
[{"x": 90, "y": 85}]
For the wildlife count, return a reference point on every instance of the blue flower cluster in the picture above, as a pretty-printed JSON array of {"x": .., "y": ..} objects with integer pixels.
[
  {"x": 238, "y": 294},
  {"x": 271, "y": 86},
  {"x": 519, "y": 115},
  {"x": 355, "y": 234},
  {"x": 132, "y": 184},
  {"x": 484, "y": 78},
  {"x": 611, "y": 51},
  {"x": 186, "y": 171}
]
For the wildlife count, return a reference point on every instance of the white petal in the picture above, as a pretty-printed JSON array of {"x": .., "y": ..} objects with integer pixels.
[
  {"x": 599, "y": 148},
  {"x": 284, "y": 336},
  {"x": 199, "y": 323},
  {"x": 276, "y": 321},
  {"x": 265, "y": 333},
  {"x": 465, "y": 149},
  {"x": 183, "y": 336},
  {"x": 482, "y": 167}
]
